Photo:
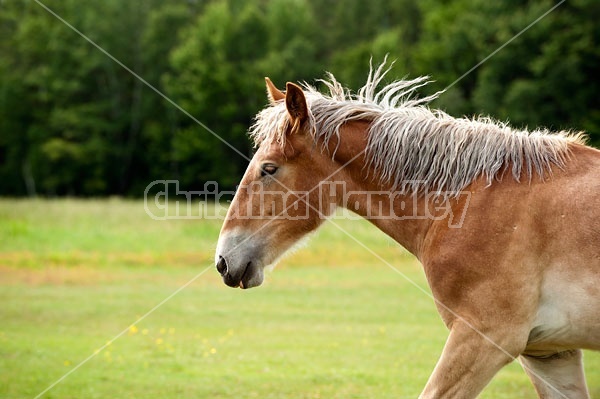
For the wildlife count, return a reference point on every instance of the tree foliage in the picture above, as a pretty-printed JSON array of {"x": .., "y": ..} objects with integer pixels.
[{"x": 74, "y": 122}]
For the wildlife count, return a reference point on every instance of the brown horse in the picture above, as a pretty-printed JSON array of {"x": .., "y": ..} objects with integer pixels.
[{"x": 506, "y": 223}]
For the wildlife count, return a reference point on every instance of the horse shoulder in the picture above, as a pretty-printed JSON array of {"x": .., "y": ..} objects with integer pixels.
[{"x": 526, "y": 254}]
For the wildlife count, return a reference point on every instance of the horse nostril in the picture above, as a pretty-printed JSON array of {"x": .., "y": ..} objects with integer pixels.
[{"x": 222, "y": 266}]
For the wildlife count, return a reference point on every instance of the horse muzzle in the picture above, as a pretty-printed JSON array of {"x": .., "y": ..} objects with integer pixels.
[{"x": 238, "y": 262}]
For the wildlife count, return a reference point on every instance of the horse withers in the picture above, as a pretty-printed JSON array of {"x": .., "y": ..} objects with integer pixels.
[{"x": 505, "y": 222}]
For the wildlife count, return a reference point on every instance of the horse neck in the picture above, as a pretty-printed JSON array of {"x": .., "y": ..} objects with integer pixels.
[{"x": 364, "y": 193}]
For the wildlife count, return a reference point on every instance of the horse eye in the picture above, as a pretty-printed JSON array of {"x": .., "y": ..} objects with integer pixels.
[{"x": 267, "y": 169}]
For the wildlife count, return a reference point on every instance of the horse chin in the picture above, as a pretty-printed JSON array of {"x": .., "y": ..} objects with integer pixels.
[
  {"x": 252, "y": 277},
  {"x": 249, "y": 276}
]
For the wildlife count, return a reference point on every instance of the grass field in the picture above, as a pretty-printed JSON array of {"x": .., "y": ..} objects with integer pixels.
[{"x": 332, "y": 321}]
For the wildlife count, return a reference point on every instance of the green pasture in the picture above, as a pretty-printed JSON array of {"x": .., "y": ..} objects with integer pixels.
[{"x": 332, "y": 321}]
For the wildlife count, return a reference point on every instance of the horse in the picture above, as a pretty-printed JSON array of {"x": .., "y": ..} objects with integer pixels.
[{"x": 505, "y": 221}]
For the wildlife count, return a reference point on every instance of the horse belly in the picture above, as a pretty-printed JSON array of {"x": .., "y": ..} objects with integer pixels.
[{"x": 568, "y": 315}]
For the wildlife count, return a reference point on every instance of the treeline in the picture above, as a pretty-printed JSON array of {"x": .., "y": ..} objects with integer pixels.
[{"x": 74, "y": 122}]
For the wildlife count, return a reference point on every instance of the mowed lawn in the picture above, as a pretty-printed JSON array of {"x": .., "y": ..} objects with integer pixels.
[{"x": 332, "y": 321}]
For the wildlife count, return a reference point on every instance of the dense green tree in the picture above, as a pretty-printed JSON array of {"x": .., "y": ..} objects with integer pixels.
[
  {"x": 218, "y": 77},
  {"x": 217, "y": 90},
  {"x": 74, "y": 122},
  {"x": 81, "y": 114},
  {"x": 546, "y": 76},
  {"x": 374, "y": 30},
  {"x": 57, "y": 132},
  {"x": 551, "y": 76}
]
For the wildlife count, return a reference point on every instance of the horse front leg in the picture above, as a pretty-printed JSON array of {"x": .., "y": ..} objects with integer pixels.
[{"x": 469, "y": 361}]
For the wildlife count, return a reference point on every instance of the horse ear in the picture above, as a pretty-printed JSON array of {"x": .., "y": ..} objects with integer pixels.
[
  {"x": 295, "y": 103},
  {"x": 273, "y": 92}
]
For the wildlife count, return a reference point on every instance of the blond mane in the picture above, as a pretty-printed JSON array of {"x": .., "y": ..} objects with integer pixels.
[{"x": 413, "y": 147}]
